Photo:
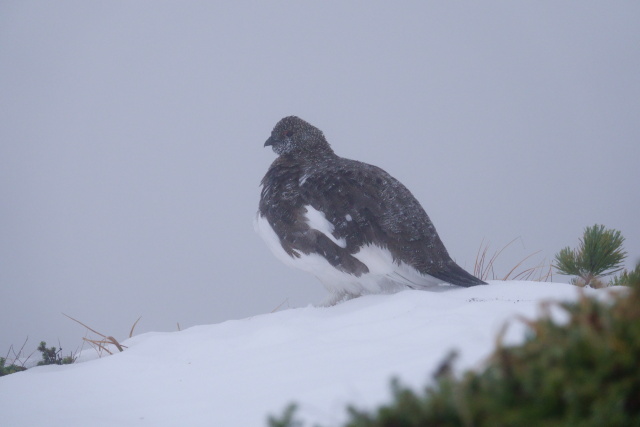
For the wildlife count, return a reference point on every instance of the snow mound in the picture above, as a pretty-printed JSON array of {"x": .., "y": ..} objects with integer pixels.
[{"x": 237, "y": 372}]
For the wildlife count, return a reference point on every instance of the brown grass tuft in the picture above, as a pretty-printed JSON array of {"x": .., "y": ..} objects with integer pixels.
[
  {"x": 103, "y": 344},
  {"x": 484, "y": 267}
]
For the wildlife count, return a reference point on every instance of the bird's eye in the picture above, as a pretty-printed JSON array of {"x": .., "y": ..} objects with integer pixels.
[{"x": 288, "y": 133}]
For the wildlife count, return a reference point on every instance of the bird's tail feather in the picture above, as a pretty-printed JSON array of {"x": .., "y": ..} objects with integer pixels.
[{"x": 456, "y": 275}]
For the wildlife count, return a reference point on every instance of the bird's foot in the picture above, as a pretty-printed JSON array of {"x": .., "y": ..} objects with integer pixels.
[{"x": 336, "y": 298}]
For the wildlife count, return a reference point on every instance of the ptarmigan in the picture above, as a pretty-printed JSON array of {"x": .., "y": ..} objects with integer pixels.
[{"x": 352, "y": 225}]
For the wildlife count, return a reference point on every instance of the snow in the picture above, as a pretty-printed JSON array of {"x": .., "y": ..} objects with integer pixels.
[{"x": 238, "y": 372}]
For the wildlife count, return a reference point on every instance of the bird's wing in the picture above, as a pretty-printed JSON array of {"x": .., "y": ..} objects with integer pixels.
[{"x": 367, "y": 206}]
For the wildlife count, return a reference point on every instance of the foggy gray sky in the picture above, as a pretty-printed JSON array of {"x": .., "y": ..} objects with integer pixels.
[{"x": 131, "y": 142}]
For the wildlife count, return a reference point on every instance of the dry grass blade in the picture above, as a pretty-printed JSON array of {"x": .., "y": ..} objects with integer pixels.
[
  {"x": 106, "y": 340},
  {"x": 134, "y": 326},
  {"x": 524, "y": 274},
  {"x": 281, "y": 304},
  {"x": 528, "y": 274},
  {"x": 519, "y": 264},
  {"x": 485, "y": 266},
  {"x": 99, "y": 344},
  {"x": 548, "y": 276},
  {"x": 480, "y": 270},
  {"x": 92, "y": 330},
  {"x": 103, "y": 344},
  {"x": 115, "y": 342}
]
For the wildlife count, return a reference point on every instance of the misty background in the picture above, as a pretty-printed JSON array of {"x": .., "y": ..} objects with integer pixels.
[{"x": 131, "y": 142}]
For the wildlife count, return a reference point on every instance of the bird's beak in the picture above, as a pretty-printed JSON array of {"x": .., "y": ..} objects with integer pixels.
[{"x": 270, "y": 141}]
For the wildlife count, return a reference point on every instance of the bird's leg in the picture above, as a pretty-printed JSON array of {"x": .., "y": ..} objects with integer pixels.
[{"x": 336, "y": 298}]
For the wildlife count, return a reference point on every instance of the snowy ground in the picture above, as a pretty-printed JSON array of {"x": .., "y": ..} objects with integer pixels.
[{"x": 237, "y": 372}]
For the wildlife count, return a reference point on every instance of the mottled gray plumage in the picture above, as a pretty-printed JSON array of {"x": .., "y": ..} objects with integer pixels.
[{"x": 363, "y": 203}]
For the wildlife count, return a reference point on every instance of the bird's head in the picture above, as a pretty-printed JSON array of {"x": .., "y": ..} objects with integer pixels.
[{"x": 295, "y": 137}]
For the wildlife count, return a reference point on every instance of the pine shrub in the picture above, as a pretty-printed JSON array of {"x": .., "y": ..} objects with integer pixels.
[
  {"x": 51, "y": 356},
  {"x": 287, "y": 419},
  {"x": 599, "y": 254},
  {"x": 10, "y": 369}
]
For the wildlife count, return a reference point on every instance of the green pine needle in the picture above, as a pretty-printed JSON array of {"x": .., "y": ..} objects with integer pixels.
[
  {"x": 599, "y": 253},
  {"x": 627, "y": 278}
]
